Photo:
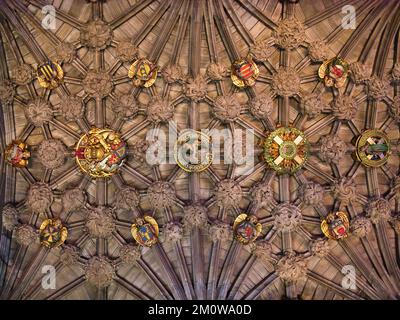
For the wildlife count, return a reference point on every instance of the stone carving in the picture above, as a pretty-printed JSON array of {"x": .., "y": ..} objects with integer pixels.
[
  {"x": 161, "y": 194},
  {"x": 220, "y": 231},
  {"x": 97, "y": 83},
  {"x": 72, "y": 108},
  {"x": 10, "y": 217},
  {"x": 261, "y": 106},
  {"x": 289, "y": 33},
  {"x": 97, "y": 35},
  {"x": 25, "y": 234},
  {"x": 378, "y": 89},
  {"x": 22, "y": 74},
  {"x": 7, "y": 91},
  {"x": 125, "y": 105},
  {"x": 344, "y": 107},
  {"x": 130, "y": 254},
  {"x": 396, "y": 224},
  {"x": 138, "y": 150},
  {"x": 39, "y": 197},
  {"x": 69, "y": 255},
  {"x": 126, "y": 51},
  {"x": 173, "y": 73},
  {"x": 217, "y": 71},
  {"x": 262, "y": 249},
  {"x": 262, "y": 50},
  {"x": 99, "y": 272},
  {"x": 100, "y": 222},
  {"x": 262, "y": 195},
  {"x": 195, "y": 216},
  {"x": 51, "y": 153},
  {"x": 38, "y": 111},
  {"x": 394, "y": 109},
  {"x": 378, "y": 209},
  {"x": 345, "y": 191},
  {"x": 360, "y": 226},
  {"x": 73, "y": 199},
  {"x": 318, "y": 51},
  {"x": 311, "y": 193},
  {"x": 291, "y": 267},
  {"x": 172, "y": 232},
  {"x": 312, "y": 104},
  {"x": 320, "y": 247},
  {"x": 228, "y": 193},
  {"x": 360, "y": 72},
  {"x": 396, "y": 72},
  {"x": 159, "y": 110},
  {"x": 127, "y": 198},
  {"x": 287, "y": 217},
  {"x": 332, "y": 149},
  {"x": 227, "y": 108},
  {"x": 196, "y": 89},
  {"x": 286, "y": 82},
  {"x": 65, "y": 52}
]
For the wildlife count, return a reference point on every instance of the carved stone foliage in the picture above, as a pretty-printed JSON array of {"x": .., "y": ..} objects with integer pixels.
[
  {"x": 345, "y": 190},
  {"x": 332, "y": 149},
  {"x": 360, "y": 72},
  {"x": 396, "y": 72},
  {"x": 127, "y": 198},
  {"x": 196, "y": 89},
  {"x": 172, "y": 232},
  {"x": 51, "y": 153},
  {"x": 71, "y": 108},
  {"x": 289, "y": 33},
  {"x": 262, "y": 50},
  {"x": 320, "y": 247},
  {"x": 22, "y": 74},
  {"x": 318, "y": 51},
  {"x": 69, "y": 255},
  {"x": 65, "y": 52},
  {"x": 344, "y": 107},
  {"x": 39, "y": 197},
  {"x": 360, "y": 226},
  {"x": 173, "y": 73},
  {"x": 97, "y": 34},
  {"x": 25, "y": 234},
  {"x": 291, "y": 267},
  {"x": 73, "y": 199},
  {"x": 378, "y": 209},
  {"x": 159, "y": 110},
  {"x": 228, "y": 193},
  {"x": 100, "y": 222},
  {"x": 10, "y": 217},
  {"x": 217, "y": 71},
  {"x": 138, "y": 150},
  {"x": 287, "y": 217},
  {"x": 227, "y": 108},
  {"x": 378, "y": 88},
  {"x": 125, "y": 105},
  {"x": 126, "y": 51},
  {"x": 286, "y": 82},
  {"x": 7, "y": 91},
  {"x": 312, "y": 104},
  {"x": 161, "y": 194},
  {"x": 99, "y": 272},
  {"x": 97, "y": 83},
  {"x": 195, "y": 216},
  {"x": 38, "y": 112},
  {"x": 261, "y": 106},
  {"x": 262, "y": 195},
  {"x": 394, "y": 109},
  {"x": 263, "y": 250},
  {"x": 130, "y": 254},
  {"x": 311, "y": 193},
  {"x": 220, "y": 231}
]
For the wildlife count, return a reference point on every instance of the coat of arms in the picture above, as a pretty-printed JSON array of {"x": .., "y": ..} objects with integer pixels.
[
  {"x": 246, "y": 228},
  {"x": 336, "y": 225},
  {"x": 145, "y": 231}
]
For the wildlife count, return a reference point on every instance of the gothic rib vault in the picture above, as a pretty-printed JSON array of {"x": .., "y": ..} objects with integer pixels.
[{"x": 194, "y": 44}]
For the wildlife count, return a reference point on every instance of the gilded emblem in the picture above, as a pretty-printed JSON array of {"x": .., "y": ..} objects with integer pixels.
[
  {"x": 192, "y": 151},
  {"x": 246, "y": 228},
  {"x": 244, "y": 72},
  {"x": 50, "y": 75},
  {"x": 143, "y": 73},
  {"x": 334, "y": 72},
  {"x": 100, "y": 152},
  {"x": 372, "y": 148},
  {"x": 336, "y": 225},
  {"x": 17, "y": 154},
  {"x": 145, "y": 231},
  {"x": 52, "y": 233}
]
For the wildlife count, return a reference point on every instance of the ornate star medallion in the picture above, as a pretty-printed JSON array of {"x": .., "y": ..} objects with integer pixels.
[
  {"x": 17, "y": 154},
  {"x": 372, "y": 148},
  {"x": 52, "y": 233},
  {"x": 143, "y": 73},
  {"x": 244, "y": 72},
  {"x": 334, "y": 72},
  {"x": 336, "y": 225},
  {"x": 286, "y": 150},
  {"x": 50, "y": 75},
  {"x": 145, "y": 231},
  {"x": 246, "y": 228}
]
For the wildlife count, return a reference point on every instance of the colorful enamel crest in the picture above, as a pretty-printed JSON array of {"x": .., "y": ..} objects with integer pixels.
[
  {"x": 246, "y": 228},
  {"x": 145, "y": 231},
  {"x": 286, "y": 150},
  {"x": 244, "y": 72},
  {"x": 50, "y": 75},
  {"x": 17, "y": 154},
  {"x": 334, "y": 72},
  {"x": 192, "y": 151},
  {"x": 372, "y": 148},
  {"x": 143, "y": 73},
  {"x": 100, "y": 152},
  {"x": 52, "y": 233},
  {"x": 336, "y": 225}
]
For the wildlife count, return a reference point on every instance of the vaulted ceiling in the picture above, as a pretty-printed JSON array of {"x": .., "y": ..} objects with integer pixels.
[{"x": 194, "y": 43}]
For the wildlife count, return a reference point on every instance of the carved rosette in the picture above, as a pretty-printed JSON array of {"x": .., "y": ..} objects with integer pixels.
[
  {"x": 359, "y": 72},
  {"x": 159, "y": 110},
  {"x": 127, "y": 198},
  {"x": 311, "y": 193},
  {"x": 286, "y": 82},
  {"x": 196, "y": 89},
  {"x": 100, "y": 222},
  {"x": 71, "y": 108},
  {"x": 51, "y": 153},
  {"x": 287, "y": 217},
  {"x": 312, "y": 104},
  {"x": 64, "y": 52},
  {"x": 130, "y": 254},
  {"x": 261, "y": 106},
  {"x": 360, "y": 226},
  {"x": 318, "y": 51},
  {"x": 73, "y": 199},
  {"x": 344, "y": 107},
  {"x": 161, "y": 194},
  {"x": 173, "y": 74},
  {"x": 320, "y": 248},
  {"x": 97, "y": 83},
  {"x": 378, "y": 209},
  {"x": 291, "y": 267},
  {"x": 138, "y": 150},
  {"x": 217, "y": 71},
  {"x": 7, "y": 91},
  {"x": 394, "y": 109},
  {"x": 99, "y": 271},
  {"x": 22, "y": 74},
  {"x": 69, "y": 255},
  {"x": 126, "y": 51},
  {"x": 378, "y": 89},
  {"x": 25, "y": 234},
  {"x": 263, "y": 250},
  {"x": 289, "y": 33},
  {"x": 125, "y": 105},
  {"x": 262, "y": 50},
  {"x": 39, "y": 197},
  {"x": 220, "y": 231},
  {"x": 38, "y": 112},
  {"x": 345, "y": 190},
  {"x": 228, "y": 193},
  {"x": 396, "y": 72},
  {"x": 10, "y": 217},
  {"x": 332, "y": 149},
  {"x": 262, "y": 195},
  {"x": 172, "y": 232},
  {"x": 227, "y": 108},
  {"x": 97, "y": 35},
  {"x": 195, "y": 216}
]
